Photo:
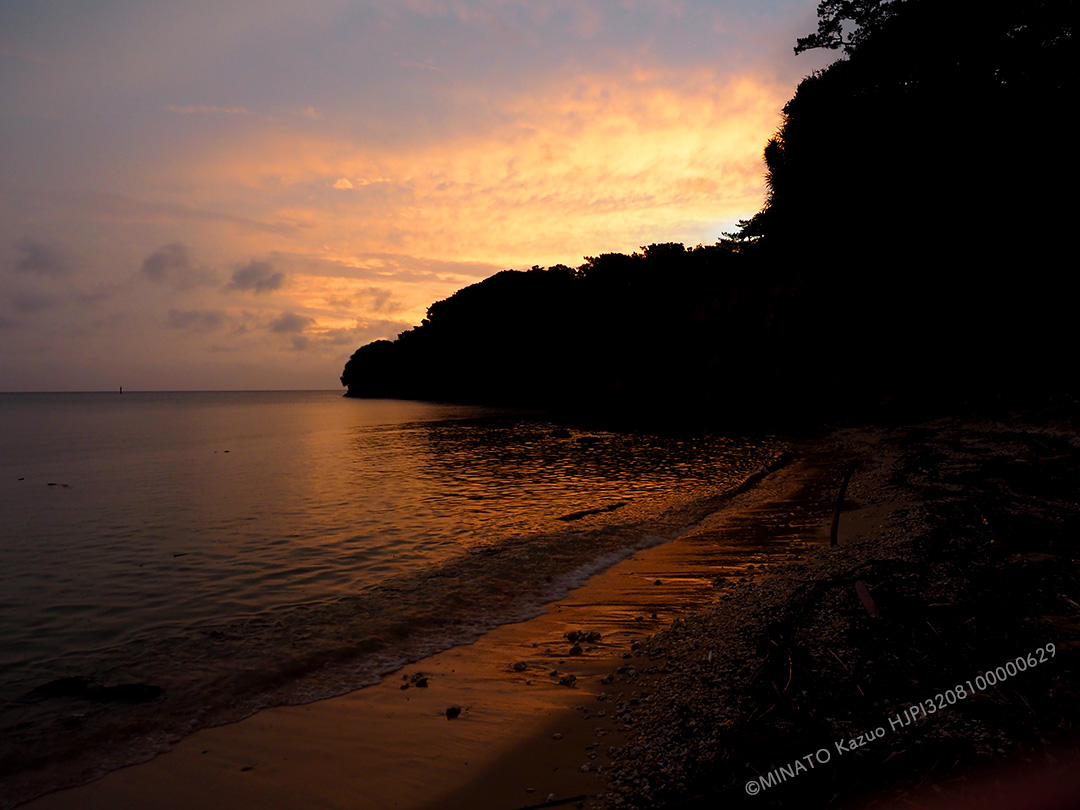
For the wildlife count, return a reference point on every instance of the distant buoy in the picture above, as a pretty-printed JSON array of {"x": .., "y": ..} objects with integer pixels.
[{"x": 121, "y": 389}]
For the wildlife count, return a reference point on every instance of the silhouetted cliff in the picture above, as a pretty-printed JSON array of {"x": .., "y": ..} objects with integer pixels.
[{"x": 914, "y": 237}]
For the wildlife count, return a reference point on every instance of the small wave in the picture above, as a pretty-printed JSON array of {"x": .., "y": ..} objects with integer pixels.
[{"x": 215, "y": 672}]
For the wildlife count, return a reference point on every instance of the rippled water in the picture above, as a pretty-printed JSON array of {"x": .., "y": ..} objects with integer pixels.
[{"x": 239, "y": 550}]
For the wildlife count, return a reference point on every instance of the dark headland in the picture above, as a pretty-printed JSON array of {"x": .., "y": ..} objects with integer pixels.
[
  {"x": 909, "y": 276},
  {"x": 914, "y": 244}
]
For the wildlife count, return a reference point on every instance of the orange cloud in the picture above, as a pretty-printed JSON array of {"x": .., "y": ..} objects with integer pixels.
[
  {"x": 587, "y": 164},
  {"x": 590, "y": 163}
]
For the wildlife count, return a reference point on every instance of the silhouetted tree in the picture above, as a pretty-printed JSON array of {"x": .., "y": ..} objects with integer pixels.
[
  {"x": 911, "y": 238},
  {"x": 846, "y": 24}
]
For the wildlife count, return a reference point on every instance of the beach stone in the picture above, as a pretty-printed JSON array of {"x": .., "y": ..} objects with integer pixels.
[
  {"x": 520, "y": 666},
  {"x": 452, "y": 712}
]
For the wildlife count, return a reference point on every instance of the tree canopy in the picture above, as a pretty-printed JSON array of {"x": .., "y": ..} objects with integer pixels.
[{"x": 915, "y": 224}]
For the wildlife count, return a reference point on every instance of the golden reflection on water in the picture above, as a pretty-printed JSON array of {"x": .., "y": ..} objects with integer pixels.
[{"x": 187, "y": 509}]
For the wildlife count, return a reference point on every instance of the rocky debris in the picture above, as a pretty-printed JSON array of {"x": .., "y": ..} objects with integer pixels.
[
  {"x": 971, "y": 537},
  {"x": 586, "y": 636},
  {"x": 417, "y": 679},
  {"x": 520, "y": 666},
  {"x": 452, "y": 712},
  {"x": 568, "y": 680}
]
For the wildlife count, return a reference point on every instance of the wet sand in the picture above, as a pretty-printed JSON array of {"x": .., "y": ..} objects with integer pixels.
[{"x": 522, "y": 737}]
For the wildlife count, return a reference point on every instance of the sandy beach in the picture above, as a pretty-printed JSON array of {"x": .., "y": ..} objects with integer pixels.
[
  {"x": 522, "y": 736},
  {"x": 723, "y": 656}
]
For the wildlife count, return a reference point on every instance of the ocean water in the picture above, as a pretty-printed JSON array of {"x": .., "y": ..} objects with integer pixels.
[{"x": 231, "y": 551}]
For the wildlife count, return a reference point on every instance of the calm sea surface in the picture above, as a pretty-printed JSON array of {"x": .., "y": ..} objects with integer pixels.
[{"x": 239, "y": 550}]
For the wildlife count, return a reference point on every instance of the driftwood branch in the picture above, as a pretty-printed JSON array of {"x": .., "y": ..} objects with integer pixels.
[
  {"x": 556, "y": 802},
  {"x": 840, "y": 505},
  {"x": 868, "y": 600}
]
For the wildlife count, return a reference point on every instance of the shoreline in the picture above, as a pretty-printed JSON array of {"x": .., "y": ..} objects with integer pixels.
[
  {"x": 478, "y": 549},
  {"x": 403, "y": 736},
  {"x": 958, "y": 552},
  {"x": 728, "y": 654}
]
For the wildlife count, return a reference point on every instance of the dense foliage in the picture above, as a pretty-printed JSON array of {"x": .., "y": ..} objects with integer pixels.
[
  {"x": 667, "y": 325},
  {"x": 914, "y": 236}
]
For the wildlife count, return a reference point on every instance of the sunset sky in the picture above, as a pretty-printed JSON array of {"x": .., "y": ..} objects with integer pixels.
[{"x": 218, "y": 195}]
